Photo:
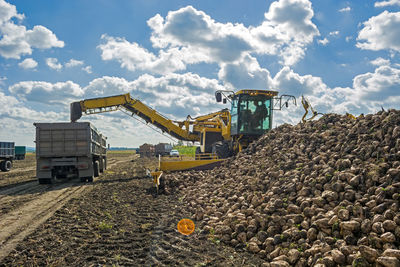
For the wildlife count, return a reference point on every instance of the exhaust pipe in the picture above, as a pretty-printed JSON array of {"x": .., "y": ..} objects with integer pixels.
[{"x": 76, "y": 111}]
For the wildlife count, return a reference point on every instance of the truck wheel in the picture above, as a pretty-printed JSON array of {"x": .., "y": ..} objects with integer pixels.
[
  {"x": 7, "y": 165},
  {"x": 102, "y": 166},
  {"x": 43, "y": 180},
  {"x": 2, "y": 166},
  {"x": 90, "y": 179},
  {"x": 82, "y": 179},
  {"x": 96, "y": 168}
]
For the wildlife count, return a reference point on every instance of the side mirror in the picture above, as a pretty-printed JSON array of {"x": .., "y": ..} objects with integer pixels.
[
  {"x": 286, "y": 104},
  {"x": 218, "y": 96},
  {"x": 224, "y": 101}
]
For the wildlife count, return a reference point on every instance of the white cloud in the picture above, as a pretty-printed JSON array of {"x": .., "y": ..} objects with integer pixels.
[
  {"x": 246, "y": 73},
  {"x": 28, "y": 63},
  {"x": 73, "y": 63},
  {"x": 47, "y": 93},
  {"x": 381, "y": 32},
  {"x": 335, "y": 33},
  {"x": 324, "y": 41},
  {"x": 17, "y": 40},
  {"x": 175, "y": 95},
  {"x": 189, "y": 36},
  {"x": 8, "y": 11},
  {"x": 387, "y": 3},
  {"x": 53, "y": 63},
  {"x": 345, "y": 9},
  {"x": 15, "y": 114},
  {"x": 368, "y": 93},
  {"x": 87, "y": 69},
  {"x": 42, "y": 38},
  {"x": 380, "y": 61}
]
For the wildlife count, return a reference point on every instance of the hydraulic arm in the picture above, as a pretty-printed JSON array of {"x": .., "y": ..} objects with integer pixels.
[{"x": 180, "y": 130}]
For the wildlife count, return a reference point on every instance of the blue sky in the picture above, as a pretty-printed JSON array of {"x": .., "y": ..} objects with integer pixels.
[{"x": 342, "y": 55}]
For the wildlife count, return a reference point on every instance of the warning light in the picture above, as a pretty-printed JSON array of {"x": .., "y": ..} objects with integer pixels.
[{"x": 186, "y": 226}]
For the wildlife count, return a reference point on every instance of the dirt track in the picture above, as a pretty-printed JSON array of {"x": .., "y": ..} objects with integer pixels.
[
  {"x": 25, "y": 204},
  {"x": 116, "y": 220}
]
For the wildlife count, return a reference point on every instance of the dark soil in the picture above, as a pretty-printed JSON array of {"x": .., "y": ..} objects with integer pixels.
[{"x": 121, "y": 223}]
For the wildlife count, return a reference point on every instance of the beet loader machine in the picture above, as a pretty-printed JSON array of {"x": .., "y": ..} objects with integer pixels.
[{"x": 221, "y": 134}]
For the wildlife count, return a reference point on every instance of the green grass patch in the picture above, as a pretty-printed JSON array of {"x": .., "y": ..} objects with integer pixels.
[{"x": 186, "y": 150}]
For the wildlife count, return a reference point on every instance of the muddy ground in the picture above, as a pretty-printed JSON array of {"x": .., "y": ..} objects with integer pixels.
[{"x": 117, "y": 221}]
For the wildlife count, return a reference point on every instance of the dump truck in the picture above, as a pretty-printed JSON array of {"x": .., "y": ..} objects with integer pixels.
[
  {"x": 162, "y": 149},
  {"x": 7, "y": 155},
  {"x": 67, "y": 150},
  {"x": 20, "y": 152},
  {"x": 146, "y": 151}
]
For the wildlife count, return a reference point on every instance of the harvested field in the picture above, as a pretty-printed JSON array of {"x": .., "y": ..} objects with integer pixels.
[
  {"x": 323, "y": 193},
  {"x": 117, "y": 220},
  {"x": 22, "y": 171}
]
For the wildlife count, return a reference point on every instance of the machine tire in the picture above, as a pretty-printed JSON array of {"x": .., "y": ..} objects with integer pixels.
[
  {"x": 96, "y": 169},
  {"x": 221, "y": 149},
  {"x": 7, "y": 165},
  {"x": 198, "y": 151},
  {"x": 82, "y": 179},
  {"x": 90, "y": 179}
]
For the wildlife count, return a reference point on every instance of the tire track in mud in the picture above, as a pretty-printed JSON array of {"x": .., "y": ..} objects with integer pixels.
[
  {"x": 21, "y": 222},
  {"x": 43, "y": 202},
  {"x": 120, "y": 222}
]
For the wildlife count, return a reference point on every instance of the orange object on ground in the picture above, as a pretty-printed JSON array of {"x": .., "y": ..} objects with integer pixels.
[{"x": 186, "y": 226}]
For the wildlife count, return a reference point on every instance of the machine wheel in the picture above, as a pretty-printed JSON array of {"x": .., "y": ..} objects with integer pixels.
[
  {"x": 221, "y": 149},
  {"x": 96, "y": 168},
  {"x": 6, "y": 165},
  {"x": 90, "y": 179},
  {"x": 82, "y": 179}
]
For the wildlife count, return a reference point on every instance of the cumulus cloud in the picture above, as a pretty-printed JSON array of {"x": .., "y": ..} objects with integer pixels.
[
  {"x": 15, "y": 114},
  {"x": 368, "y": 93},
  {"x": 381, "y": 32},
  {"x": 387, "y": 3},
  {"x": 380, "y": 61},
  {"x": 175, "y": 95},
  {"x": 17, "y": 40},
  {"x": 73, "y": 63},
  {"x": 28, "y": 63},
  {"x": 190, "y": 36},
  {"x": 246, "y": 73},
  {"x": 47, "y": 93},
  {"x": 53, "y": 63}
]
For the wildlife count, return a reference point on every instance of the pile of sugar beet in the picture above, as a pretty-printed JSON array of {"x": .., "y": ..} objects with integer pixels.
[{"x": 320, "y": 193}]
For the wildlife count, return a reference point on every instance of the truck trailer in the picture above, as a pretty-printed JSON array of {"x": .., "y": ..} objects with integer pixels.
[
  {"x": 68, "y": 150},
  {"x": 162, "y": 149},
  {"x": 7, "y": 155}
]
